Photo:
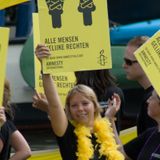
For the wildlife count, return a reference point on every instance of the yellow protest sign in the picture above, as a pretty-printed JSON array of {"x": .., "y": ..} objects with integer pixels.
[
  {"x": 8, "y": 3},
  {"x": 77, "y": 34},
  {"x": 37, "y": 65},
  {"x": 4, "y": 35},
  {"x": 64, "y": 81},
  {"x": 148, "y": 55}
]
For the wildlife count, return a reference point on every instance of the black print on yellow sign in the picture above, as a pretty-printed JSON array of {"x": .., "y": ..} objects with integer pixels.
[
  {"x": 55, "y": 8},
  {"x": 86, "y": 7},
  {"x": 102, "y": 59}
]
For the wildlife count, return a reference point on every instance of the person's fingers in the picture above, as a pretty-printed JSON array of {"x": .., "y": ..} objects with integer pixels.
[
  {"x": 42, "y": 95},
  {"x": 34, "y": 104},
  {"x": 109, "y": 101},
  {"x": 117, "y": 97},
  {"x": 42, "y": 51},
  {"x": 37, "y": 94},
  {"x": 2, "y": 115},
  {"x": 41, "y": 56},
  {"x": 39, "y": 46},
  {"x": 35, "y": 98},
  {"x": 2, "y": 110},
  {"x": 35, "y": 101},
  {"x": 114, "y": 102}
]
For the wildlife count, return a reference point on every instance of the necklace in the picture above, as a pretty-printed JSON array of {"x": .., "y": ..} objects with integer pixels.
[{"x": 104, "y": 137}]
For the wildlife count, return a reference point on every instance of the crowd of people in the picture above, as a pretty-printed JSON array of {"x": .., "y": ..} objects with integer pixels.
[
  {"x": 87, "y": 127},
  {"x": 90, "y": 120},
  {"x": 67, "y": 123}
]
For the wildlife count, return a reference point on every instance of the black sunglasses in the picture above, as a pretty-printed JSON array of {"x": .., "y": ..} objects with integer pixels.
[{"x": 129, "y": 62}]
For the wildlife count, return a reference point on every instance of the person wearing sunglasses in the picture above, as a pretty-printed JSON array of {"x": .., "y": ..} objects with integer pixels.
[
  {"x": 135, "y": 72},
  {"x": 129, "y": 62}
]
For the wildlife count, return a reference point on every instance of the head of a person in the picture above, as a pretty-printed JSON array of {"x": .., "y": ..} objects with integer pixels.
[
  {"x": 98, "y": 80},
  {"x": 154, "y": 106},
  {"x": 7, "y": 98},
  {"x": 82, "y": 105},
  {"x": 131, "y": 66}
]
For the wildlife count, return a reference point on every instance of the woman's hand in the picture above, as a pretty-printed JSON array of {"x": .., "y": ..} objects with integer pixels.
[
  {"x": 42, "y": 52},
  {"x": 2, "y": 116},
  {"x": 113, "y": 106},
  {"x": 40, "y": 102}
]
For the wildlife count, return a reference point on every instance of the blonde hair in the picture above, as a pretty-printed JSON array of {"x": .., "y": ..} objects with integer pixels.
[
  {"x": 7, "y": 98},
  {"x": 88, "y": 93}
]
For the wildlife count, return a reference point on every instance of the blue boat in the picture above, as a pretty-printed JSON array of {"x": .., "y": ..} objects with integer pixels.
[{"x": 123, "y": 33}]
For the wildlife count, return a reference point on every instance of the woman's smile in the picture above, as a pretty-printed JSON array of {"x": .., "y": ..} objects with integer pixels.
[{"x": 81, "y": 109}]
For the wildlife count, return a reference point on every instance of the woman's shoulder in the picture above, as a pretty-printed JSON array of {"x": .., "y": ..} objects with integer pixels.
[
  {"x": 69, "y": 131},
  {"x": 9, "y": 126},
  {"x": 7, "y": 129}
]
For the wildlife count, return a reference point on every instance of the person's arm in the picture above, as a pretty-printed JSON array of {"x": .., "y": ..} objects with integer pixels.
[
  {"x": 56, "y": 112},
  {"x": 113, "y": 108},
  {"x": 20, "y": 145}
]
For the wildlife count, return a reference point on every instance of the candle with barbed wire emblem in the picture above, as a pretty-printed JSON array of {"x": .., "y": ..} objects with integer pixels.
[
  {"x": 55, "y": 10},
  {"x": 86, "y": 7},
  {"x": 102, "y": 59}
]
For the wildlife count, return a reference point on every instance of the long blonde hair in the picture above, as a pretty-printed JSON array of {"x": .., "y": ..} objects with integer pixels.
[
  {"x": 7, "y": 98},
  {"x": 86, "y": 92}
]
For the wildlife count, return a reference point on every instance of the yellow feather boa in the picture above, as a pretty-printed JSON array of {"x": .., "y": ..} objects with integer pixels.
[{"x": 105, "y": 137}]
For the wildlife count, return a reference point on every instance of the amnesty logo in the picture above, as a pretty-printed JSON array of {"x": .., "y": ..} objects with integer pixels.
[{"x": 102, "y": 59}]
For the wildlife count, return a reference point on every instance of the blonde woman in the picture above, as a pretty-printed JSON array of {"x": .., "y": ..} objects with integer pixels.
[{"x": 80, "y": 131}]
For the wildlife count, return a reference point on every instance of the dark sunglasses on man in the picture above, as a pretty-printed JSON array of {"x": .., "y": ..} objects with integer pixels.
[{"x": 129, "y": 62}]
